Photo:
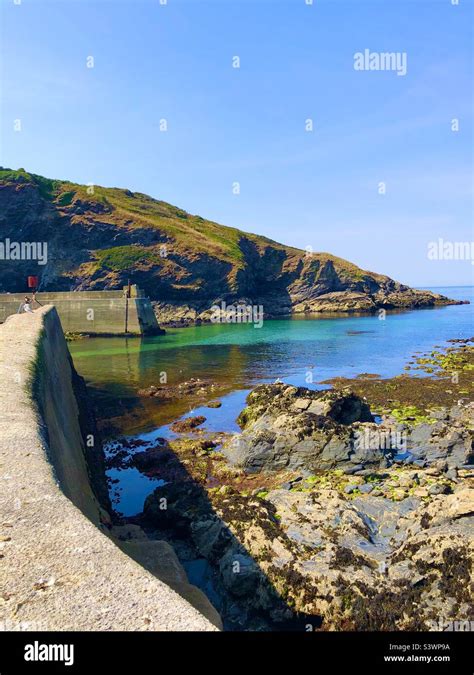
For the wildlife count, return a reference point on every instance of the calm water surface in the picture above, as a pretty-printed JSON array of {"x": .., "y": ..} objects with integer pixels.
[{"x": 241, "y": 356}]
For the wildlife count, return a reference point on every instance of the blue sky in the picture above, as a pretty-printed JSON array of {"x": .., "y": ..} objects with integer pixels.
[{"x": 247, "y": 125}]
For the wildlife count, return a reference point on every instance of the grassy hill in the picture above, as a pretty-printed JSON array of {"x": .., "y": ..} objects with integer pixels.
[{"x": 99, "y": 237}]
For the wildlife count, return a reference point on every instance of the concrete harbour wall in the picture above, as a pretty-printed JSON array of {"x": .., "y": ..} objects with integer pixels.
[
  {"x": 63, "y": 566},
  {"x": 92, "y": 312}
]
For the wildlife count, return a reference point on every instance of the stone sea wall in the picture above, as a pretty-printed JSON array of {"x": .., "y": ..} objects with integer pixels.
[
  {"x": 92, "y": 312},
  {"x": 63, "y": 565}
]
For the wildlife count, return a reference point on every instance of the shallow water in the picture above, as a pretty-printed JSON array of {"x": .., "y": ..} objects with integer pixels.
[{"x": 303, "y": 351}]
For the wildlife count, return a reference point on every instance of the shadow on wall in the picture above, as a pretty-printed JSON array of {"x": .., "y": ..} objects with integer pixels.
[{"x": 195, "y": 523}]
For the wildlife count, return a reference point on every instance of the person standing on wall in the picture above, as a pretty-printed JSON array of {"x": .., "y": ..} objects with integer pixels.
[{"x": 26, "y": 307}]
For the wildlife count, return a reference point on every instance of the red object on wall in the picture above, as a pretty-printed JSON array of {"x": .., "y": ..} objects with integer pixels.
[{"x": 33, "y": 282}]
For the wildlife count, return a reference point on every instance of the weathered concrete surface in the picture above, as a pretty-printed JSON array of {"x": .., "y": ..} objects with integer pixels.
[
  {"x": 93, "y": 312},
  {"x": 58, "y": 570}
]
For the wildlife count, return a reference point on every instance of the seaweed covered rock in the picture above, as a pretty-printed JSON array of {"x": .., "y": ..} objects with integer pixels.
[
  {"x": 344, "y": 561},
  {"x": 294, "y": 427},
  {"x": 364, "y": 562},
  {"x": 342, "y": 407},
  {"x": 448, "y": 439},
  {"x": 176, "y": 506},
  {"x": 286, "y": 427},
  {"x": 188, "y": 424}
]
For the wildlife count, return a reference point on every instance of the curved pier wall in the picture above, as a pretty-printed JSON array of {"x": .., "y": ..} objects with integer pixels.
[{"x": 60, "y": 566}]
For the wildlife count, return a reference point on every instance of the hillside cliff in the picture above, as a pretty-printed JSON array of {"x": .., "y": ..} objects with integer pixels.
[{"x": 99, "y": 237}]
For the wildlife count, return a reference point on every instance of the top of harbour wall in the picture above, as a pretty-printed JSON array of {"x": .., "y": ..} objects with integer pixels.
[{"x": 51, "y": 297}]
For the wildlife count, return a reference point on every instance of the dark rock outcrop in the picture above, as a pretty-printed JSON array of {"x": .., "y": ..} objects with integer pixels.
[{"x": 293, "y": 427}]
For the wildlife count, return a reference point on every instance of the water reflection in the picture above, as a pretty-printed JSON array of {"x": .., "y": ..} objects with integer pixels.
[{"x": 303, "y": 351}]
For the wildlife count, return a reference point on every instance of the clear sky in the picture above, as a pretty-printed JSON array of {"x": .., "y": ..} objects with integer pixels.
[{"x": 246, "y": 125}]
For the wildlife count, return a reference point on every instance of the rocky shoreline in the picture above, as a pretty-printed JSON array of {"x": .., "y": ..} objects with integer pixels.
[
  {"x": 347, "y": 509},
  {"x": 325, "y": 302}
]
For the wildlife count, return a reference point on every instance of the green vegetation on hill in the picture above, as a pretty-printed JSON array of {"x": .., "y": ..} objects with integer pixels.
[
  {"x": 125, "y": 257},
  {"x": 99, "y": 237},
  {"x": 46, "y": 186},
  {"x": 134, "y": 209}
]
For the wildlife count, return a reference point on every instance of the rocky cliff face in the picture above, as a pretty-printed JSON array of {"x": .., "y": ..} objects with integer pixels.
[{"x": 98, "y": 238}]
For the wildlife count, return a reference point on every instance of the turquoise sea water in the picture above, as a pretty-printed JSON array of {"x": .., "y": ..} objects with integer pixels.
[
  {"x": 301, "y": 351},
  {"x": 239, "y": 354}
]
